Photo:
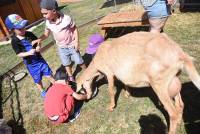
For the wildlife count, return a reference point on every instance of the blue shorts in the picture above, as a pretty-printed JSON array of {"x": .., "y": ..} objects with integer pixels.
[
  {"x": 67, "y": 55},
  {"x": 37, "y": 70},
  {"x": 158, "y": 10}
]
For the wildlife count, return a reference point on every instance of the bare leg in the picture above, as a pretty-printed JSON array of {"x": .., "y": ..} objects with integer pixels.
[
  {"x": 40, "y": 86},
  {"x": 157, "y": 24},
  {"x": 69, "y": 70},
  {"x": 51, "y": 79}
]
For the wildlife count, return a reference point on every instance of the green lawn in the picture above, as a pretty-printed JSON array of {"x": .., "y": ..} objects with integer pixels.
[
  {"x": 139, "y": 114},
  {"x": 81, "y": 12}
]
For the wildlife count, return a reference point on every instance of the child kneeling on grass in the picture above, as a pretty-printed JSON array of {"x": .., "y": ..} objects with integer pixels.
[
  {"x": 23, "y": 47},
  {"x": 62, "y": 103}
]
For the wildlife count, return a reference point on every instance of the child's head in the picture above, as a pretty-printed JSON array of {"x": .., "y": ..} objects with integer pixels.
[
  {"x": 49, "y": 9},
  {"x": 93, "y": 43},
  {"x": 61, "y": 74},
  {"x": 15, "y": 23}
]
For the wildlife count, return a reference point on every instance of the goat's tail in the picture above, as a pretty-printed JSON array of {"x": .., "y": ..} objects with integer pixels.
[{"x": 191, "y": 70}]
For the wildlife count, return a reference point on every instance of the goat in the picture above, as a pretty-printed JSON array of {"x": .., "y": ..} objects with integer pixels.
[{"x": 141, "y": 59}]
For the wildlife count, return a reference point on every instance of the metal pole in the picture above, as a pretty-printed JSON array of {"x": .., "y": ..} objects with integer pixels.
[{"x": 115, "y": 6}]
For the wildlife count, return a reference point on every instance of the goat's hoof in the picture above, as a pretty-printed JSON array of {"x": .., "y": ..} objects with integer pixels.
[
  {"x": 111, "y": 108},
  {"x": 126, "y": 94},
  {"x": 171, "y": 132}
]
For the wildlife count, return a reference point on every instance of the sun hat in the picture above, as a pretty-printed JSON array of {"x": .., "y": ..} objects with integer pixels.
[
  {"x": 14, "y": 21},
  {"x": 49, "y": 4},
  {"x": 93, "y": 43}
]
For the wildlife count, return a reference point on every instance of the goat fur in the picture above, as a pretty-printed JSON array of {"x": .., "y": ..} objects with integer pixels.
[{"x": 141, "y": 59}]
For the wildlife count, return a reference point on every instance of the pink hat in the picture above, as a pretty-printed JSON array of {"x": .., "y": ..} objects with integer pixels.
[{"x": 93, "y": 43}]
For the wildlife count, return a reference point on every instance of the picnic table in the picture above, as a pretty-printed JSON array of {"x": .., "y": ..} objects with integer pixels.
[{"x": 131, "y": 18}]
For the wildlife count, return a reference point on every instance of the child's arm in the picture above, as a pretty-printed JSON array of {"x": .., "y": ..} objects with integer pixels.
[
  {"x": 25, "y": 54},
  {"x": 79, "y": 96},
  {"x": 41, "y": 38},
  {"x": 76, "y": 37}
]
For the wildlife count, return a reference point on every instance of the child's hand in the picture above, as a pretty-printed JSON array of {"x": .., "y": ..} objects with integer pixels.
[
  {"x": 37, "y": 49},
  {"x": 170, "y": 2},
  {"x": 32, "y": 52},
  {"x": 38, "y": 42},
  {"x": 76, "y": 47}
]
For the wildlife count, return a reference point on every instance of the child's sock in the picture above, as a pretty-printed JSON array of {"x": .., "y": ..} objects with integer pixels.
[{"x": 43, "y": 93}]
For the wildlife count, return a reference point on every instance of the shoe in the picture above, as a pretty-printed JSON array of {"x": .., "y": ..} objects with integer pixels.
[
  {"x": 71, "y": 78},
  {"x": 74, "y": 116},
  {"x": 43, "y": 93}
]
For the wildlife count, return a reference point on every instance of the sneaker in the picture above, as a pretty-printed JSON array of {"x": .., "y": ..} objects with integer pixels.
[
  {"x": 74, "y": 116},
  {"x": 71, "y": 78},
  {"x": 43, "y": 93}
]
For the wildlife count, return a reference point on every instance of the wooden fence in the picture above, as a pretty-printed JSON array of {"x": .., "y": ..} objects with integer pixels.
[{"x": 28, "y": 9}]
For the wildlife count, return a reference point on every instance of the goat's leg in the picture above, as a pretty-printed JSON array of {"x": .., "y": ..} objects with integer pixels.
[
  {"x": 174, "y": 92},
  {"x": 111, "y": 92},
  {"x": 162, "y": 93},
  {"x": 126, "y": 91},
  {"x": 179, "y": 106}
]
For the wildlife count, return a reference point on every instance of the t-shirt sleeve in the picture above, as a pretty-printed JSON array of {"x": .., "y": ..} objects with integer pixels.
[
  {"x": 70, "y": 21},
  {"x": 69, "y": 90},
  {"x": 47, "y": 26},
  {"x": 31, "y": 36},
  {"x": 16, "y": 45}
]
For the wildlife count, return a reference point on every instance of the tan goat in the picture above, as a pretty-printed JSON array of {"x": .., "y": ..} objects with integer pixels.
[{"x": 142, "y": 59}]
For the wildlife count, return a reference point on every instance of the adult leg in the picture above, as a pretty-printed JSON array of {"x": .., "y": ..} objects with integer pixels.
[{"x": 157, "y": 25}]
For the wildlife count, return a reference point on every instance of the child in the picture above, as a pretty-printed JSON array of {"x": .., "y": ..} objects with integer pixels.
[
  {"x": 21, "y": 44},
  {"x": 94, "y": 42},
  {"x": 65, "y": 34},
  {"x": 61, "y": 102}
]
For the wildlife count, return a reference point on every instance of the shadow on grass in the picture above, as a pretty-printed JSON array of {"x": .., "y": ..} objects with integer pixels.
[
  {"x": 152, "y": 124},
  {"x": 189, "y": 5},
  {"x": 191, "y": 99},
  {"x": 16, "y": 123},
  {"x": 110, "y": 3},
  {"x": 116, "y": 32},
  {"x": 191, "y": 114}
]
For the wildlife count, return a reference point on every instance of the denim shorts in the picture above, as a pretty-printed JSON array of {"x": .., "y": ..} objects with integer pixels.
[
  {"x": 158, "y": 10},
  {"x": 67, "y": 55}
]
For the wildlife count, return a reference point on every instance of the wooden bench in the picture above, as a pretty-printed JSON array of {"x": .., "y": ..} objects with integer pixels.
[{"x": 123, "y": 19}]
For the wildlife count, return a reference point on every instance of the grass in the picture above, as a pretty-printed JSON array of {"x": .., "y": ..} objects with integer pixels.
[
  {"x": 139, "y": 114},
  {"x": 81, "y": 12}
]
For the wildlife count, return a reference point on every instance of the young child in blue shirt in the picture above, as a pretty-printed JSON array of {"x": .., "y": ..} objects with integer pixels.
[{"x": 22, "y": 45}]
